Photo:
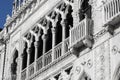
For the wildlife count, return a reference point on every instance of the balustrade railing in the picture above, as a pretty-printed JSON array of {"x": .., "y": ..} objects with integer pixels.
[
  {"x": 31, "y": 69},
  {"x": 58, "y": 51},
  {"x": 80, "y": 32},
  {"x": 39, "y": 64},
  {"x": 111, "y": 11},
  {"x": 48, "y": 58},
  {"x": 13, "y": 77},
  {"x": 66, "y": 45},
  {"x": 23, "y": 74}
]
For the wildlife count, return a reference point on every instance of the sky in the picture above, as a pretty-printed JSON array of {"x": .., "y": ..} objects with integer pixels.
[{"x": 5, "y": 8}]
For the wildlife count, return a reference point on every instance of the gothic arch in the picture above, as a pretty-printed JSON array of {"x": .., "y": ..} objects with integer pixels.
[{"x": 116, "y": 75}]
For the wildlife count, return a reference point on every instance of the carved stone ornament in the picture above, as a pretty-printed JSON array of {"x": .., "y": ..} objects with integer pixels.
[
  {"x": 64, "y": 76},
  {"x": 52, "y": 78},
  {"x": 115, "y": 50},
  {"x": 77, "y": 71},
  {"x": 88, "y": 63}
]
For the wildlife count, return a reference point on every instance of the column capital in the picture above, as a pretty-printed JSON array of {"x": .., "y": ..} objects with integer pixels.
[
  {"x": 53, "y": 29},
  {"x": 44, "y": 36},
  {"x": 64, "y": 22},
  {"x": 36, "y": 44},
  {"x": 28, "y": 50}
]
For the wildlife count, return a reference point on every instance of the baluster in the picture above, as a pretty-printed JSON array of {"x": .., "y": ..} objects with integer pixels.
[
  {"x": 108, "y": 11},
  {"x": 119, "y": 5},
  {"x": 105, "y": 13}
]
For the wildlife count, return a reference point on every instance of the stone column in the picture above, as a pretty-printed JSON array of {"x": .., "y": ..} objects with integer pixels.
[
  {"x": 36, "y": 44},
  {"x": 21, "y": 67},
  {"x": 44, "y": 37},
  {"x": 63, "y": 23},
  {"x": 28, "y": 61},
  {"x": 22, "y": 56},
  {"x": 53, "y": 41}
]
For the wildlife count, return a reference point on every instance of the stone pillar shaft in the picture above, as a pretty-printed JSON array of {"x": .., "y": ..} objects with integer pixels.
[
  {"x": 63, "y": 23},
  {"x": 28, "y": 60},
  {"x": 36, "y": 53},
  {"x": 53, "y": 41},
  {"x": 44, "y": 37}
]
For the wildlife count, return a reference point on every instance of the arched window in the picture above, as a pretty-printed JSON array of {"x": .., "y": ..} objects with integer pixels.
[
  {"x": 40, "y": 47},
  {"x": 85, "y": 9},
  {"x": 69, "y": 20},
  {"x": 14, "y": 66},
  {"x": 24, "y": 62},
  {"x": 32, "y": 52},
  {"x": 49, "y": 39},
  {"x": 58, "y": 30}
]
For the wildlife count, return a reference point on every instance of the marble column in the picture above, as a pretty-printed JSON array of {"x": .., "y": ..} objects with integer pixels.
[
  {"x": 63, "y": 23},
  {"x": 36, "y": 44},
  {"x": 21, "y": 67},
  {"x": 44, "y": 37},
  {"x": 53, "y": 41},
  {"x": 28, "y": 60}
]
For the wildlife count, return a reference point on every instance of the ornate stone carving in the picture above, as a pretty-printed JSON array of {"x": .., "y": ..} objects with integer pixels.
[
  {"x": 63, "y": 76},
  {"x": 99, "y": 34},
  {"x": 100, "y": 62},
  {"x": 115, "y": 49},
  {"x": 77, "y": 71},
  {"x": 87, "y": 63}
]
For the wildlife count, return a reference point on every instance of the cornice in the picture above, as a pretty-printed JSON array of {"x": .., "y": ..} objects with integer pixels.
[{"x": 21, "y": 10}]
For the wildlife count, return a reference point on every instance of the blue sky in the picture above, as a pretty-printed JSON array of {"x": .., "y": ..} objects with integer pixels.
[{"x": 5, "y": 8}]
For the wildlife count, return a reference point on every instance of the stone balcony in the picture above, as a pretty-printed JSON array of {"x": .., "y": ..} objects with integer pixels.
[
  {"x": 47, "y": 60},
  {"x": 111, "y": 11},
  {"x": 81, "y": 34}
]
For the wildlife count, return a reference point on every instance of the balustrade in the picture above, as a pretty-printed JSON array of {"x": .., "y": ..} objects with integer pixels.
[
  {"x": 23, "y": 74},
  {"x": 66, "y": 44},
  {"x": 48, "y": 58},
  {"x": 80, "y": 32},
  {"x": 112, "y": 11},
  {"x": 58, "y": 51},
  {"x": 39, "y": 64},
  {"x": 31, "y": 69}
]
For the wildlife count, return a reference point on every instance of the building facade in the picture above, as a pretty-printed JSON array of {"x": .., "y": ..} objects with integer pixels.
[{"x": 61, "y": 40}]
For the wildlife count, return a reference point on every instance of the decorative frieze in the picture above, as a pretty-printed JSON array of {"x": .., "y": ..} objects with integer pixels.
[{"x": 101, "y": 57}]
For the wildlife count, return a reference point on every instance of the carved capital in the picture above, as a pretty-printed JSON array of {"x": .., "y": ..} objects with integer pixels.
[
  {"x": 64, "y": 22},
  {"x": 44, "y": 36},
  {"x": 53, "y": 30},
  {"x": 28, "y": 50},
  {"x": 36, "y": 44}
]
